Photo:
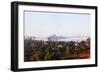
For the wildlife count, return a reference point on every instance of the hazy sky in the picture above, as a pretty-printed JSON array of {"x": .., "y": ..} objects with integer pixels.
[{"x": 44, "y": 24}]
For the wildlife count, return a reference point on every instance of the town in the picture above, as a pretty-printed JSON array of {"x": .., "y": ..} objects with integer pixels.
[{"x": 52, "y": 49}]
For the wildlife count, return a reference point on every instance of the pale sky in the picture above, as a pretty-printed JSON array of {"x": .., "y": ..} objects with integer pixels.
[{"x": 44, "y": 24}]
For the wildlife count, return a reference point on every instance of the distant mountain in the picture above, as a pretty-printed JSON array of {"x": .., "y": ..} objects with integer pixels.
[
  {"x": 55, "y": 37},
  {"x": 61, "y": 37}
]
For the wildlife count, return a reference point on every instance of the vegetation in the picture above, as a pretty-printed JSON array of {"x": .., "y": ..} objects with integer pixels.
[{"x": 37, "y": 50}]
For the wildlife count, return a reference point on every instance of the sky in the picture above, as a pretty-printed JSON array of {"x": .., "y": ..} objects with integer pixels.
[{"x": 44, "y": 24}]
